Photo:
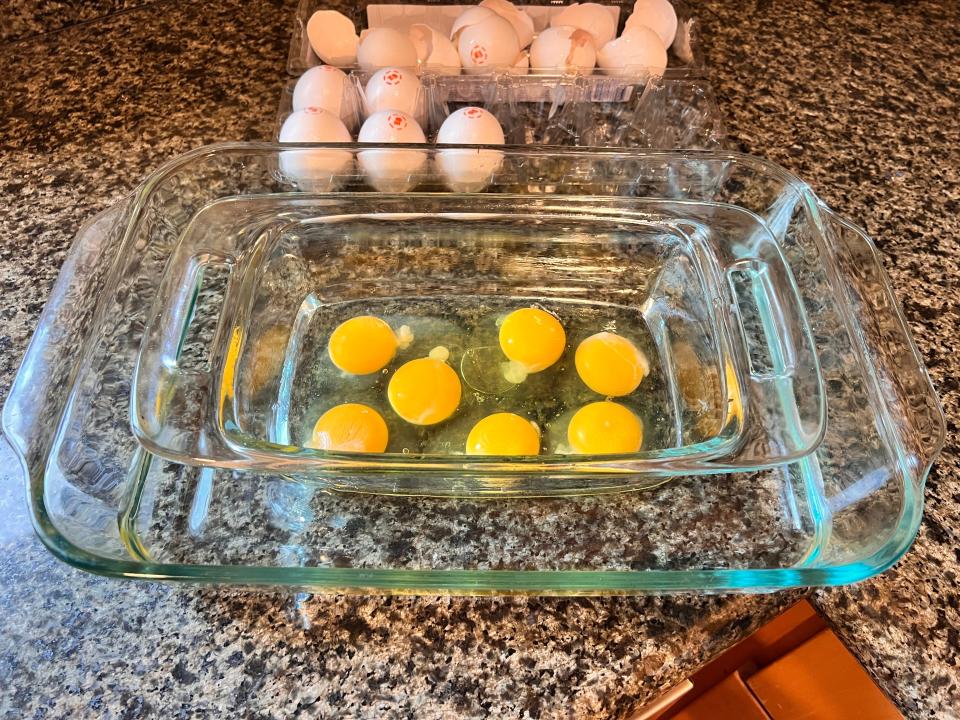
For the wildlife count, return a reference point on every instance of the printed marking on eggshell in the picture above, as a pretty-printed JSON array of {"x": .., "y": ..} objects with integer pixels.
[
  {"x": 473, "y": 113},
  {"x": 313, "y": 110},
  {"x": 479, "y": 54},
  {"x": 393, "y": 77},
  {"x": 396, "y": 121}
]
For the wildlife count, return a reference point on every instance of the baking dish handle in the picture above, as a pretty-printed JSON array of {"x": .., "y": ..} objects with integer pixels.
[
  {"x": 39, "y": 391},
  {"x": 906, "y": 397}
]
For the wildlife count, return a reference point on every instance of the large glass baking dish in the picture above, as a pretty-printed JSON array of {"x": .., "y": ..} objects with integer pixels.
[{"x": 841, "y": 513}]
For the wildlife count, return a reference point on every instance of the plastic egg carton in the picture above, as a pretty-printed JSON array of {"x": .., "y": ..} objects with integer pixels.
[
  {"x": 568, "y": 110},
  {"x": 683, "y": 58}
]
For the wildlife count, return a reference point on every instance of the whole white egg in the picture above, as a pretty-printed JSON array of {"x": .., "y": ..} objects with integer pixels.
[
  {"x": 326, "y": 87},
  {"x": 469, "y": 170},
  {"x": 487, "y": 45},
  {"x": 333, "y": 37},
  {"x": 563, "y": 48},
  {"x": 394, "y": 89},
  {"x": 315, "y": 170},
  {"x": 592, "y": 17},
  {"x": 638, "y": 52},
  {"x": 522, "y": 23},
  {"x": 385, "y": 47},
  {"x": 434, "y": 50},
  {"x": 658, "y": 15},
  {"x": 392, "y": 170}
]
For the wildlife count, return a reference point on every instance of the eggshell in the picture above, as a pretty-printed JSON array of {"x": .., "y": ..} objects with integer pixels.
[
  {"x": 385, "y": 47},
  {"x": 563, "y": 48},
  {"x": 521, "y": 65},
  {"x": 469, "y": 170},
  {"x": 487, "y": 45},
  {"x": 592, "y": 17},
  {"x": 435, "y": 51},
  {"x": 326, "y": 87},
  {"x": 394, "y": 89},
  {"x": 333, "y": 37},
  {"x": 638, "y": 52},
  {"x": 522, "y": 23},
  {"x": 315, "y": 170},
  {"x": 471, "y": 16},
  {"x": 658, "y": 15},
  {"x": 392, "y": 170}
]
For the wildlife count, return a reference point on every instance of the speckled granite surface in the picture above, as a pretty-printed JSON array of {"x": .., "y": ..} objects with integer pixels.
[{"x": 846, "y": 94}]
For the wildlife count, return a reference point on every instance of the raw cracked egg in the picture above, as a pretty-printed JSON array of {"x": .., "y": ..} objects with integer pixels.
[
  {"x": 333, "y": 37},
  {"x": 604, "y": 428},
  {"x": 611, "y": 365},
  {"x": 532, "y": 339},
  {"x": 425, "y": 391},
  {"x": 639, "y": 51},
  {"x": 658, "y": 15},
  {"x": 486, "y": 44},
  {"x": 315, "y": 170},
  {"x": 362, "y": 345},
  {"x": 563, "y": 48},
  {"x": 394, "y": 89},
  {"x": 385, "y": 47},
  {"x": 504, "y": 434},
  {"x": 326, "y": 87},
  {"x": 350, "y": 427},
  {"x": 469, "y": 170},
  {"x": 434, "y": 50},
  {"x": 595, "y": 19},
  {"x": 521, "y": 22},
  {"x": 392, "y": 170}
]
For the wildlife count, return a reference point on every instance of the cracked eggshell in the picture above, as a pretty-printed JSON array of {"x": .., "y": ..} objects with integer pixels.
[
  {"x": 392, "y": 170},
  {"x": 563, "y": 48},
  {"x": 315, "y": 170},
  {"x": 394, "y": 89},
  {"x": 435, "y": 51},
  {"x": 521, "y": 22},
  {"x": 638, "y": 52},
  {"x": 592, "y": 17},
  {"x": 658, "y": 15},
  {"x": 469, "y": 170},
  {"x": 487, "y": 45},
  {"x": 326, "y": 87},
  {"x": 385, "y": 47},
  {"x": 333, "y": 37},
  {"x": 470, "y": 16},
  {"x": 521, "y": 66}
]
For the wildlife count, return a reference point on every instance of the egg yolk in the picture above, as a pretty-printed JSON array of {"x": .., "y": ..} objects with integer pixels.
[
  {"x": 610, "y": 365},
  {"x": 424, "y": 391},
  {"x": 533, "y": 338},
  {"x": 603, "y": 428},
  {"x": 362, "y": 345},
  {"x": 504, "y": 434},
  {"x": 350, "y": 428}
]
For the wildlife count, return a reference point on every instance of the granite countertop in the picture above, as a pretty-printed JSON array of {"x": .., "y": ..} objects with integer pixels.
[{"x": 859, "y": 99}]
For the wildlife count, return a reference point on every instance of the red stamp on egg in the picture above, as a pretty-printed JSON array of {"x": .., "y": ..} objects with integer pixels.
[
  {"x": 313, "y": 110},
  {"x": 392, "y": 77},
  {"x": 478, "y": 53},
  {"x": 473, "y": 113},
  {"x": 396, "y": 121}
]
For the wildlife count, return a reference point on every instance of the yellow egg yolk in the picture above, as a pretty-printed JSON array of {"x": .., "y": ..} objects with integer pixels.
[
  {"x": 504, "y": 434},
  {"x": 350, "y": 427},
  {"x": 424, "y": 391},
  {"x": 362, "y": 345},
  {"x": 533, "y": 338},
  {"x": 610, "y": 365},
  {"x": 603, "y": 428}
]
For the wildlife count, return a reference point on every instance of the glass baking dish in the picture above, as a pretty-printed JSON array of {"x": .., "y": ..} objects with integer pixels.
[
  {"x": 843, "y": 512},
  {"x": 718, "y": 395}
]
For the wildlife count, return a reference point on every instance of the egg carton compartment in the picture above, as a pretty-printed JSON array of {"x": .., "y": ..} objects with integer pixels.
[
  {"x": 684, "y": 55},
  {"x": 568, "y": 110}
]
